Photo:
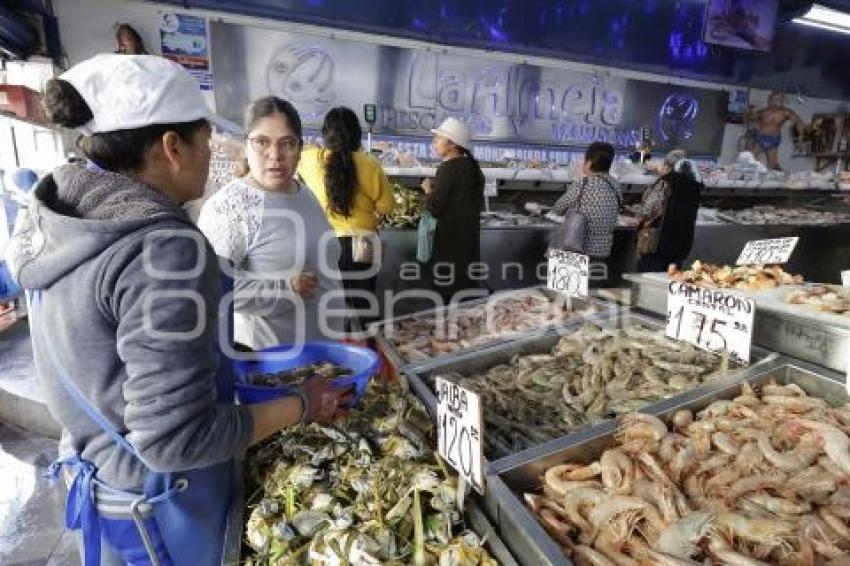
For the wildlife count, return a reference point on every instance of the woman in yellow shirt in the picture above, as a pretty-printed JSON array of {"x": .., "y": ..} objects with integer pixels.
[{"x": 354, "y": 192}]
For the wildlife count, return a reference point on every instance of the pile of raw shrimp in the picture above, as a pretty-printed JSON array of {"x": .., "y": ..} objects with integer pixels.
[{"x": 760, "y": 479}]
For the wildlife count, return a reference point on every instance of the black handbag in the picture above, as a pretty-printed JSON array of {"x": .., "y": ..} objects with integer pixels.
[{"x": 569, "y": 235}]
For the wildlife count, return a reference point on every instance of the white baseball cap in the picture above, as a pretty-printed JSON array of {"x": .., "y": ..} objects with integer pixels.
[
  {"x": 133, "y": 91},
  {"x": 454, "y": 130}
]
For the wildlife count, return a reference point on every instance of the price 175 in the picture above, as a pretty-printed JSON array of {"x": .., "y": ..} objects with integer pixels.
[{"x": 711, "y": 320}]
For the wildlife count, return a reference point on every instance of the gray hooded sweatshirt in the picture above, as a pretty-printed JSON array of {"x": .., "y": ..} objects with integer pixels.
[{"x": 129, "y": 308}]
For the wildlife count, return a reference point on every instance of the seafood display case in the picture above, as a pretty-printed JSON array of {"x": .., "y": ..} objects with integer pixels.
[
  {"x": 538, "y": 429},
  {"x": 526, "y": 536},
  {"x": 794, "y": 330},
  {"x": 434, "y": 335},
  {"x": 366, "y": 490}
]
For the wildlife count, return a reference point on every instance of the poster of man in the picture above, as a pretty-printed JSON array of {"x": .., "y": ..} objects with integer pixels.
[{"x": 765, "y": 129}]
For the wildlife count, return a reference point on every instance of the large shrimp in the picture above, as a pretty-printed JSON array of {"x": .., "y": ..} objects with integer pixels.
[
  {"x": 617, "y": 472},
  {"x": 721, "y": 550},
  {"x": 754, "y": 483},
  {"x": 680, "y": 538},
  {"x": 791, "y": 461},
  {"x": 611, "y": 541},
  {"x": 779, "y": 505},
  {"x": 795, "y": 404},
  {"x": 652, "y": 468},
  {"x": 835, "y": 443},
  {"x": 659, "y": 495},
  {"x": 614, "y": 505},
  {"x": 684, "y": 460},
  {"x": 566, "y": 477},
  {"x": 577, "y": 503},
  {"x": 749, "y": 458},
  {"x": 761, "y": 531},
  {"x": 670, "y": 445},
  {"x": 725, "y": 443},
  {"x": 639, "y": 432}
]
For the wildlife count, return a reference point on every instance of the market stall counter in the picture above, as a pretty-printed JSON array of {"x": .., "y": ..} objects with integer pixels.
[{"x": 534, "y": 497}]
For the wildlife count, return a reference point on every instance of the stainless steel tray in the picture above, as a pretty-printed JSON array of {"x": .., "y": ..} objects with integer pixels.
[
  {"x": 402, "y": 366},
  {"x": 517, "y": 526},
  {"x": 479, "y": 361},
  {"x": 800, "y": 333}
]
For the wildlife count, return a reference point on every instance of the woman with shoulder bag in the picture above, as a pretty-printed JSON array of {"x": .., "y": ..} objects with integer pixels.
[
  {"x": 354, "y": 192},
  {"x": 667, "y": 214},
  {"x": 125, "y": 293},
  {"x": 590, "y": 209}
]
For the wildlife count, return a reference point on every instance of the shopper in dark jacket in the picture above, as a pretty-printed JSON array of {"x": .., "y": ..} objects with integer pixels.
[
  {"x": 671, "y": 204},
  {"x": 455, "y": 199}
]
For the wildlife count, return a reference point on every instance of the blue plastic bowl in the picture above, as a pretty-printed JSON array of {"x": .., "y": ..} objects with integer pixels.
[{"x": 362, "y": 362}]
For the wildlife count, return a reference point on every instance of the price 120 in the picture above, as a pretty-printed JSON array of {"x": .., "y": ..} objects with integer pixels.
[{"x": 459, "y": 432}]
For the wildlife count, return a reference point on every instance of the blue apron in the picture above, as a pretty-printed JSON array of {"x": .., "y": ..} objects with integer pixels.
[{"x": 189, "y": 508}]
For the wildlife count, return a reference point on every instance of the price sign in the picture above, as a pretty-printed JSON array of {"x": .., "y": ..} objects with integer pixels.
[
  {"x": 767, "y": 252},
  {"x": 568, "y": 273},
  {"x": 370, "y": 113},
  {"x": 491, "y": 188},
  {"x": 711, "y": 319},
  {"x": 845, "y": 278},
  {"x": 459, "y": 431}
]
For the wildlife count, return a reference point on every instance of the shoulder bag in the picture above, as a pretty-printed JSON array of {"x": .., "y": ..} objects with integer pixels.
[
  {"x": 569, "y": 235},
  {"x": 649, "y": 230}
]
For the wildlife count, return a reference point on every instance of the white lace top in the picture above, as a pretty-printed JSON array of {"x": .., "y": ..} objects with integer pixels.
[{"x": 270, "y": 237}]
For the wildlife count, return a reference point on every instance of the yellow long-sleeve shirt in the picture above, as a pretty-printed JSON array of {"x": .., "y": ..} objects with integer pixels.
[{"x": 374, "y": 193}]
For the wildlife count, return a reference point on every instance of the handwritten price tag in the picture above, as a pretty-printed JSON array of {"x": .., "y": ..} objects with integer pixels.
[
  {"x": 767, "y": 252},
  {"x": 491, "y": 188},
  {"x": 845, "y": 278},
  {"x": 459, "y": 432},
  {"x": 568, "y": 273},
  {"x": 711, "y": 319}
]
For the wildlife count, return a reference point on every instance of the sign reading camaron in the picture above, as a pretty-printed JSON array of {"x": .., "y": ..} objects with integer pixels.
[{"x": 711, "y": 319}]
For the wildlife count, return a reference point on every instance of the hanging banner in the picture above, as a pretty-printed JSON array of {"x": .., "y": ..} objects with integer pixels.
[
  {"x": 414, "y": 90},
  {"x": 183, "y": 39}
]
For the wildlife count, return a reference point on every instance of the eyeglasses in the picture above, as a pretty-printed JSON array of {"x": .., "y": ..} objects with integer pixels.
[{"x": 262, "y": 144}]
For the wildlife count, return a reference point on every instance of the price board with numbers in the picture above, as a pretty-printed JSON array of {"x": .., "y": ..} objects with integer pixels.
[
  {"x": 767, "y": 252},
  {"x": 568, "y": 273},
  {"x": 491, "y": 188},
  {"x": 845, "y": 278},
  {"x": 459, "y": 431},
  {"x": 711, "y": 319}
]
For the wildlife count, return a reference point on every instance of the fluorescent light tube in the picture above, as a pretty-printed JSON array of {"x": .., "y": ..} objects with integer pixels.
[{"x": 825, "y": 18}]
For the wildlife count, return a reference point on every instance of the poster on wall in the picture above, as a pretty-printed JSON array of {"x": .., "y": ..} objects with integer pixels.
[
  {"x": 183, "y": 39},
  {"x": 736, "y": 110},
  {"x": 743, "y": 24}
]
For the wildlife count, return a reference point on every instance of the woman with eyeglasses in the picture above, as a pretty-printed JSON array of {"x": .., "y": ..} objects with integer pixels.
[{"x": 287, "y": 285}]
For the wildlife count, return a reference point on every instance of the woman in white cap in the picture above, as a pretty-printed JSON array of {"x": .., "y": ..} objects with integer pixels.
[
  {"x": 125, "y": 295},
  {"x": 455, "y": 198}
]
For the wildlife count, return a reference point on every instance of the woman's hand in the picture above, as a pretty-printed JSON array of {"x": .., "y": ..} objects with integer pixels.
[
  {"x": 427, "y": 185},
  {"x": 304, "y": 284},
  {"x": 323, "y": 401}
]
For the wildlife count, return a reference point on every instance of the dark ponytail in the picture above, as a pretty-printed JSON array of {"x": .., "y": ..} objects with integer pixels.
[
  {"x": 479, "y": 172},
  {"x": 341, "y": 133},
  {"x": 121, "y": 150}
]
